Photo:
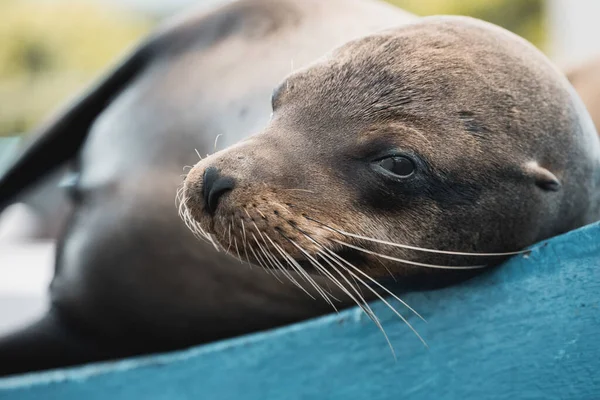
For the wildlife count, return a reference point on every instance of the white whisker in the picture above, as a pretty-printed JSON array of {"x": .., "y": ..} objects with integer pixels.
[
  {"x": 388, "y": 305},
  {"x": 244, "y": 243},
  {"x": 367, "y": 276},
  {"x": 282, "y": 267},
  {"x": 367, "y": 310},
  {"x": 228, "y": 247},
  {"x": 363, "y": 304},
  {"x": 404, "y": 246},
  {"x": 214, "y": 243},
  {"x": 216, "y": 141},
  {"x": 262, "y": 261},
  {"x": 297, "y": 190},
  {"x": 314, "y": 262},
  {"x": 297, "y": 267},
  {"x": 401, "y": 260},
  {"x": 237, "y": 250},
  {"x": 375, "y": 282}
]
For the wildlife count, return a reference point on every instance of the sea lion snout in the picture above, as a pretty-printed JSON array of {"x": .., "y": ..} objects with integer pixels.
[
  {"x": 214, "y": 187},
  {"x": 204, "y": 188}
]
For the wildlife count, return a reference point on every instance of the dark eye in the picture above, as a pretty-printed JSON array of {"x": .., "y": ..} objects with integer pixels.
[{"x": 400, "y": 166}]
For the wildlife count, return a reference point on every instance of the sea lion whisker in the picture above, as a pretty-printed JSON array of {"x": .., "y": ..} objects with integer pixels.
[
  {"x": 181, "y": 209},
  {"x": 283, "y": 269},
  {"x": 314, "y": 263},
  {"x": 259, "y": 258},
  {"x": 216, "y": 141},
  {"x": 269, "y": 254},
  {"x": 237, "y": 250},
  {"x": 297, "y": 267},
  {"x": 401, "y": 260},
  {"x": 261, "y": 262},
  {"x": 375, "y": 282},
  {"x": 196, "y": 230},
  {"x": 339, "y": 284},
  {"x": 368, "y": 277},
  {"x": 199, "y": 231},
  {"x": 178, "y": 197},
  {"x": 186, "y": 217},
  {"x": 297, "y": 190},
  {"x": 409, "y": 247},
  {"x": 363, "y": 304},
  {"x": 267, "y": 259},
  {"x": 214, "y": 242},
  {"x": 370, "y": 313},
  {"x": 377, "y": 294},
  {"x": 244, "y": 240},
  {"x": 228, "y": 247},
  {"x": 309, "y": 259},
  {"x": 261, "y": 214},
  {"x": 412, "y": 328},
  {"x": 197, "y": 152},
  {"x": 327, "y": 258}
]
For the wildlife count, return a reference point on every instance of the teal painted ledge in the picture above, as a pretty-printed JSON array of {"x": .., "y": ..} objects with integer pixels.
[{"x": 527, "y": 330}]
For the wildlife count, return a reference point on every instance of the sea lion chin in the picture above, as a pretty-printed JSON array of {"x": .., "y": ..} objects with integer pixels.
[{"x": 448, "y": 143}]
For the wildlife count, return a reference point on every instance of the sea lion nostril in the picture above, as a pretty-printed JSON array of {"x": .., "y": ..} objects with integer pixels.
[{"x": 215, "y": 186}]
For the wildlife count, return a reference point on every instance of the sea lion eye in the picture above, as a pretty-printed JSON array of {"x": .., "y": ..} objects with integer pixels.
[{"x": 398, "y": 165}]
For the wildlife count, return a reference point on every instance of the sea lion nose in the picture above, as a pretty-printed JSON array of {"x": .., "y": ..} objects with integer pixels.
[{"x": 214, "y": 187}]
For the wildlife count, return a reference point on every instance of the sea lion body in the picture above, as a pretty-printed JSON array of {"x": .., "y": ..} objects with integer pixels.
[{"x": 130, "y": 277}]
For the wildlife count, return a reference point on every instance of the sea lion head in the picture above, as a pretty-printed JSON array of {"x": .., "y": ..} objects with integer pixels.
[{"x": 449, "y": 134}]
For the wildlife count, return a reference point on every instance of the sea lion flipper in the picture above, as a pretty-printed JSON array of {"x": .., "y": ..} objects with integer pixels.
[{"x": 59, "y": 140}]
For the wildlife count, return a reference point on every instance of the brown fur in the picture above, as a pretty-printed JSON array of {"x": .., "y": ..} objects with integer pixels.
[{"x": 506, "y": 156}]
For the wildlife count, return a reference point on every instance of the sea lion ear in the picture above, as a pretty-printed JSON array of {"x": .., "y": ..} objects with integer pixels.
[{"x": 543, "y": 178}]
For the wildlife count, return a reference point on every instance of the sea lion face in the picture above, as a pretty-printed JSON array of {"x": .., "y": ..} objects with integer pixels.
[{"x": 449, "y": 134}]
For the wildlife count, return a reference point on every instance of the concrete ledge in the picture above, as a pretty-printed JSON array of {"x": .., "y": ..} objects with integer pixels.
[{"x": 528, "y": 330}]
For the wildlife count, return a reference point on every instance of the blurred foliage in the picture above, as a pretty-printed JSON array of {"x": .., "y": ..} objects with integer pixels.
[
  {"x": 50, "y": 50},
  {"x": 526, "y": 18}
]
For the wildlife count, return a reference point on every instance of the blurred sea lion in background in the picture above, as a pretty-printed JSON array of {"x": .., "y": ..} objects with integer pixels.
[
  {"x": 130, "y": 278},
  {"x": 585, "y": 78}
]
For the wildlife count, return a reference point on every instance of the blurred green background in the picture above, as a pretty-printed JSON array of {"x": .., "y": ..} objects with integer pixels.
[{"x": 50, "y": 50}]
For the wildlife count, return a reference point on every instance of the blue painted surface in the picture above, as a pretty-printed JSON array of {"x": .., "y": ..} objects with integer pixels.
[{"x": 527, "y": 330}]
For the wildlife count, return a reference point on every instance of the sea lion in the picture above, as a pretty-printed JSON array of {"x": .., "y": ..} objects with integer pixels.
[
  {"x": 585, "y": 78},
  {"x": 130, "y": 278},
  {"x": 399, "y": 149}
]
